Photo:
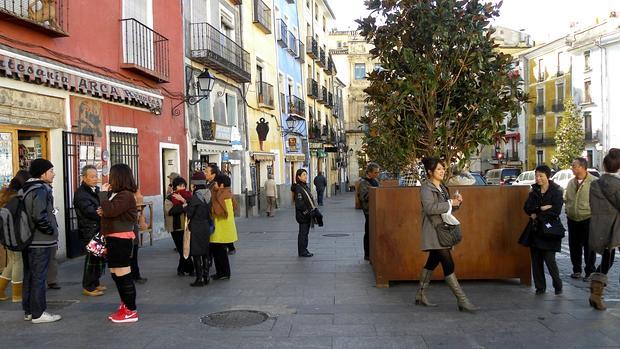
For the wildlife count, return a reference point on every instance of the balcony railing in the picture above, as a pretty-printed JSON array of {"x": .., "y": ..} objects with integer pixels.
[
  {"x": 543, "y": 139},
  {"x": 321, "y": 58},
  {"x": 50, "y": 17},
  {"x": 283, "y": 103},
  {"x": 329, "y": 68},
  {"x": 539, "y": 109},
  {"x": 282, "y": 33},
  {"x": 323, "y": 96},
  {"x": 591, "y": 136},
  {"x": 215, "y": 50},
  {"x": 292, "y": 44},
  {"x": 314, "y": 131},
  {"x": 262, "y": 16},
  {"x": 302, "y": 52},
  {"x": 330, "y": 100},
  {"x": 144, "y": 50},
  {"x": 558, "y": 105},
  {"x": 208, "y": 130},
  {"x": 265, "y": 95},
  {"x": 296, "y": 106},
  {"x": 312, "y": 47},
  {"x": 313, "y": 88}
]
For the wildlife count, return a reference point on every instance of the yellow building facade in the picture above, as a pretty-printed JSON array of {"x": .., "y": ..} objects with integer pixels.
[{"x": 548, "y": 84}]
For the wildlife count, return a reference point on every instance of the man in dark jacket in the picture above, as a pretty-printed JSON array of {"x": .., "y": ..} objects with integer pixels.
[
  {"x": 372, "y": 172},
  {"x": 86, "y": 203},
  {"x": 39, "y": 205},
  {"x": 320, "y": 183}
]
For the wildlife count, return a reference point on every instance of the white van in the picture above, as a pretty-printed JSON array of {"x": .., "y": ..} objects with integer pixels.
[
  {"x": 525, "y": 178},
  {"x": 502, "y": 176}
]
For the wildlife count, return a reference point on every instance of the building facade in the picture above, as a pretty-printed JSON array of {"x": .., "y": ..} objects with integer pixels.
[{"x": 80, "y": 88}]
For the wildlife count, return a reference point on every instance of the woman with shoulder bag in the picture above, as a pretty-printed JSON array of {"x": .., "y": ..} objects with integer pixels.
[
  {"x": 604, "y": 227},
  {"x": 544, "y": 206},
  {"x": 118, "y": 217},
  {"x": 436, "y": 207},
  {"x": 304, "y": 207}
]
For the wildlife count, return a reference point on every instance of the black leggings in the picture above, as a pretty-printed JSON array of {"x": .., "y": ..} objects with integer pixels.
[
  {"x": 440, "y": 256},
  {"x": 607, "y": 261}
]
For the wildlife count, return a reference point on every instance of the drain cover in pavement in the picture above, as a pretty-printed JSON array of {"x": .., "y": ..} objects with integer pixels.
[
  {"x": 335, "y": 235},
  {"x": 234, "y": 318}
]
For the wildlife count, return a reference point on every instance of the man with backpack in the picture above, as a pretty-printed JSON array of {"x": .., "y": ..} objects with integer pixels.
[{"x": 39, "y": 206}]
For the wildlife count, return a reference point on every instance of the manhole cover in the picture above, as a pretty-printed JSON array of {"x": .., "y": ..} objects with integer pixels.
[
  {"x": 235, "y": 318},
  {"x": 335, "y": 235},
  {"x": 60, "y": 304}
]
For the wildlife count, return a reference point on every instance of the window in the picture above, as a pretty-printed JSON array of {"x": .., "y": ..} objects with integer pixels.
[
  {"x": 559, "y": 93},
  {"x": 227, "y": 24},
  {"x": 204, "y": 107},
  {"x": 316, "y": 12},
  {"x": 198, "y": 11},
  {"x": 587, "y": 93},
  {"x": 559, "y": 64},
  {"x": 586, "y": 61},
  {"x": 231, "y": 110},
  {"x": 590, "y": 158},
  {"x": 140, "y": 10},
  {"x": 378, "y": 67},
  {"x": 540, "y": 125},
  {"x": 558, "y": 120},
  {"x": 540, "y": 157},
  {"x": 124, "y": 150},
  {"x": 540, "y": 96},
  {"x": 587, "y": 123},
  {"x": 360, "y": 71},
  {"x": 541, "y": 72},
  {"x": 324, "y": 24}
]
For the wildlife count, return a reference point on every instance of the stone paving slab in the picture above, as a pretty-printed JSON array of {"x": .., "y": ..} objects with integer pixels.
[{"x": 328, "y": 301}]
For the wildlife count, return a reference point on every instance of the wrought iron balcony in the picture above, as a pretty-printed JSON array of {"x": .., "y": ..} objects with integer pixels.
[
  {"x": 543, "y": 138},
  {"x": 292, "y": 44},
  {"x": 323, "y": 96},
  {"x": 297, "y": 106},
  {"x": 265, "y": 95},
  {"x": 50, "y": 17},
  {"x": 262, "y": 16},
  {"x": 283, "y": 103},
  {"x": 558, "y": 105},
  {"x": 302, "y": 52},
  {"x": 329, "y": 68},
  {"x": 144, "y": 50},
  {"x": 313, "y": 88},
  {"x": 325, "y": 133},
  {"x": 540, "y": 109},
  {"x": 312, "y": 47},
  {"x": 321, "y": 62},
  {"x": 282, "y": 33},
  {"x": 330, "y": 100},
  {"x": 591, "y": 136},
  {"x": 314, "y": 131},
  {"x": 208, "y": 130},
  {"x": 212, "y": 48}
]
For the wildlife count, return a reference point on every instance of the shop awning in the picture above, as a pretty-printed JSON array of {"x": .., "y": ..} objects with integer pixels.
[
  {"x": 212, "y": 148},
  {"x": 514, "y": 135},
  {"x": 263, "y": 156}
]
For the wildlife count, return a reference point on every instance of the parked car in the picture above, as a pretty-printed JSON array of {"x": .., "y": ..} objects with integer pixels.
[
  {"x": 502, "y": 176},
  {"x": 525, "y": 178},
  {"x": 562, "y": 177},
  {"x": 479, "y": 178}
]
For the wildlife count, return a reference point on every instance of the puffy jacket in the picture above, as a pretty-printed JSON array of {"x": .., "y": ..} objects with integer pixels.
[
  {"x": 605, "y": 221},
  {"x": 577, "y": 199},
  {"x": 86, "y": 202},
  {"x": 39, "y": 205}
]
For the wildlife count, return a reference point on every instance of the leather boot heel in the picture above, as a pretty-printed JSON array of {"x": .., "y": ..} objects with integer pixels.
[
  {"x": 198, "y": 269},
  {"x": 420, "y": 297}
]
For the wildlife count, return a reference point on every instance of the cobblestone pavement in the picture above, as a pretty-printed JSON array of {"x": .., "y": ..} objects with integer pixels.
[{"x": 328, "y": 301}]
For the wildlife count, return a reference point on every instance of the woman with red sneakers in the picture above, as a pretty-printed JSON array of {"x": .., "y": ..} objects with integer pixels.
[{"x": 118, "y": 215}]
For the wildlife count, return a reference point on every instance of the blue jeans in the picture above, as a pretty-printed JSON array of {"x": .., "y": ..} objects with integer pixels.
[
  {"x": 319, "y": 196},
  {"x": 36, "y": 263}
]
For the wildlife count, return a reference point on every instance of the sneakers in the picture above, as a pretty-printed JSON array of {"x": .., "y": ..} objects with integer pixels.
[
  {"x": 576, "y": 275},
  {"x": 93, "y": 293},
  {"x": 27, "y": 317},
  {"x": 124, "y": 315},
  {"x": 120, "y": 310},
  {"x": 45, "y": 318}
]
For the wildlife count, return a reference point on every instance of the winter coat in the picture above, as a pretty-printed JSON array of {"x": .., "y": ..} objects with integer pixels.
[
  {"x": 177, "y": 215},
  {"x": 304, "y": 203},
  {"x": 535, "y": 200},
  {"x": 86, "y": 203},
  {"x": 39, "y": 205},
  {"x": 198, "y": 212},
  {"x": 320, "y": 182},
  {"x": 119, "y": 212},
  {"x": 225, "y": 228},
  {"x": 270, "y": 188},
  {"x": 433, "y": 203},
  {"x": 364, "y": 192},
  {"x": 577, "y": 199},
  {"x": 605, "y": 206}
]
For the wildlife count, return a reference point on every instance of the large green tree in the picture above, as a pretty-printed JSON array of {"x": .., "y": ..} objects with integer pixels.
[
  {"x": 443, "y": 89},
  {"x": 570, "y": 136}
]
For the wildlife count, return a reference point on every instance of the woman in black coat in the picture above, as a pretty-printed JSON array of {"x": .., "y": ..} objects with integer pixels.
[
  {"x": 201, "y": 227},
  {"x": 544, "y": 205},
  {"x": 304, "y": 205}
]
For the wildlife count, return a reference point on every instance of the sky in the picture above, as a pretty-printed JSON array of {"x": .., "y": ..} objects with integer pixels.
[{"x": 544, "y": 20}]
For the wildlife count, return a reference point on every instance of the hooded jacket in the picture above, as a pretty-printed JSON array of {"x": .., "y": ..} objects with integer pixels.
[
  {"x": 605, "y": 206},
  {"x": 39, "y": 203}
]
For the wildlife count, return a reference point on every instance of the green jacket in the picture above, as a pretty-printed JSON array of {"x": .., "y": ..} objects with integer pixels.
[{"x": 577, "y": 199}]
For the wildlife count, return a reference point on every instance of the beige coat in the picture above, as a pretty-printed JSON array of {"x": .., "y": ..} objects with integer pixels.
[
  {"x": 270, "y": 188},
  {"x": 433, "y": 203},
  {"x": 577, "y": 199}
]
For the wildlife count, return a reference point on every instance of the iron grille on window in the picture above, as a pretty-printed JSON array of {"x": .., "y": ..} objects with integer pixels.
[{"x": 124, "y": 150}]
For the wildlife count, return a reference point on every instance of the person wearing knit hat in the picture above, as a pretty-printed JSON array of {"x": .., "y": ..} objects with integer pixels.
[
  {"x": 198, "y": 211},
  {"x": 39, "y": 166},
  {"x": 198, "y": 178}
]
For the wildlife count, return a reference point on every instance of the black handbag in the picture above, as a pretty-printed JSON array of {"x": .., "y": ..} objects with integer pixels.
[
  {"x": 553, "y": 229},
  {"x": 448, "y": 235},
  {"x": 526, "y": 236}
]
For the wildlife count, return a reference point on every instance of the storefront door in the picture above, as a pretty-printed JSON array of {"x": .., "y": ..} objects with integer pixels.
[{"x": 18, "y": 147}]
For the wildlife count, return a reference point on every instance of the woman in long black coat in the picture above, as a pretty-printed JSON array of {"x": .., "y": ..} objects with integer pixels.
[
  {"x": 544, "y": 206},
  {"x": 201, "y": 227}
]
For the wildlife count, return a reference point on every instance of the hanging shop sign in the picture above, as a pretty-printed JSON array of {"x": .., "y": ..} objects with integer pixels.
[
  {"x": 70, "y": 80},
  {"x": 292, "y": 144}
]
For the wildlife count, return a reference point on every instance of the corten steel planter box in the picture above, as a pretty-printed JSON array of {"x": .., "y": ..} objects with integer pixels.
[{"x": 492, "y": 219}]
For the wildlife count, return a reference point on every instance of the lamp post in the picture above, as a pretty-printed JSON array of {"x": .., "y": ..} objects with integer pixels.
[{"x": 195, "y": 92}]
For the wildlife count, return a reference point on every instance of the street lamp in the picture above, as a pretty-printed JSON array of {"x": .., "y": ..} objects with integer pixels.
[{"x": 201, "y": 90}]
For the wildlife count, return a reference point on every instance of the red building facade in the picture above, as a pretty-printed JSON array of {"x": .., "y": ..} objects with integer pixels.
[{"x": 92, "y": 83}]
